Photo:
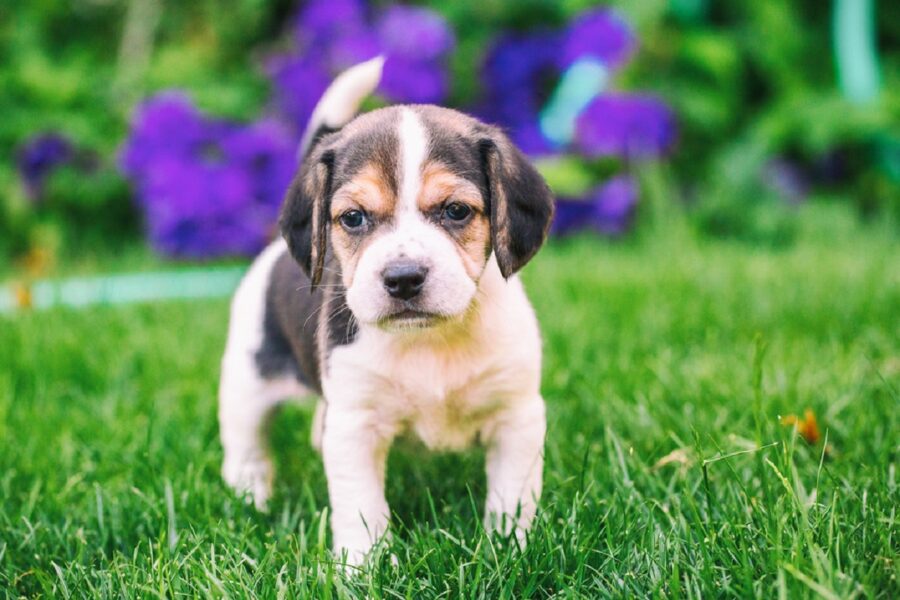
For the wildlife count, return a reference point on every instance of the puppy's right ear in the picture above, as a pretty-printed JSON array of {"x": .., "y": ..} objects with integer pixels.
[{"x": 305, "y": 214}]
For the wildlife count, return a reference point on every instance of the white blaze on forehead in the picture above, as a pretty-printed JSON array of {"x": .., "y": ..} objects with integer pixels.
[
  {"x": 448, "y": 289},
  {"x": 413, "y": 149}
]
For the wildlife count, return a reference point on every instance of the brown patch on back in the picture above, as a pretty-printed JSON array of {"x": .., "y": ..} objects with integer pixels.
[{"x": 440, "y": 186}]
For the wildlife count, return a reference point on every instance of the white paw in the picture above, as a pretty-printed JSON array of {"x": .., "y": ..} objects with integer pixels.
[
  {"x": 352, "y": 562},
  {"x": 357, "y": 553},
  {"x": 250, "y": 477},
  {"x": 505, "y": 524}
]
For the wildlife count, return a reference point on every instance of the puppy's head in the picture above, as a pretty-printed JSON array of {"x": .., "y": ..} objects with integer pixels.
[{"x": 412, "y": 201}]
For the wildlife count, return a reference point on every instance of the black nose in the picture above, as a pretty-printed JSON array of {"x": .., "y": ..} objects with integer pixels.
[{"x": 404, "y": 280}]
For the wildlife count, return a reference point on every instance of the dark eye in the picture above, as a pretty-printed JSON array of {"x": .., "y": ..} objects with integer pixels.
[
  {"x": 457, "y": 211},
  {"x": 353, "y": 219}
]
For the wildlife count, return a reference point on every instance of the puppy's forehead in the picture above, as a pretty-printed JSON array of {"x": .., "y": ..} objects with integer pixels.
[
  {"x": 454, "y": 140},
  {"x": 398, "y": 140},
  {"x": 369, "y": 142}
]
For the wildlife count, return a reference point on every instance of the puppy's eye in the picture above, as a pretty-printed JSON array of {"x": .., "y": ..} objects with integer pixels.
[
  {"x": 457, "y": 211},
  {"x": 353, "y": 220}
]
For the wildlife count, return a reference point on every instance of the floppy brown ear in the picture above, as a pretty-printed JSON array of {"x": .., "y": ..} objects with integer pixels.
[
  {"x": 521, "y": 204},
  {"x": 305, "y": 215}
]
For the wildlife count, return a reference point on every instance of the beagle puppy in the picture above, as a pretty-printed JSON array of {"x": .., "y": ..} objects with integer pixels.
[{"x": 394, "y": 298}]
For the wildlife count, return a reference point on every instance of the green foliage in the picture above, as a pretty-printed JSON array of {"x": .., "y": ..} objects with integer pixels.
[
  {"x": 749, "y": 81},
  {"x": 668, "y": 472},
  {"x": 754, "y": 81}
]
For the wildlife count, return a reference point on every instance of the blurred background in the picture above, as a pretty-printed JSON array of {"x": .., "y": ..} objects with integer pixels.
[{"x": 148, "y": 128}]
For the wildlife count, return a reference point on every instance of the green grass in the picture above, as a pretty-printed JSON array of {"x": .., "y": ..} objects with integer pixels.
[{"x": 109, "y": 459}]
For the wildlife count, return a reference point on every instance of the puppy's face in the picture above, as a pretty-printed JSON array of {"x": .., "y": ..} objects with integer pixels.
[{"x": 411, "y": 201}]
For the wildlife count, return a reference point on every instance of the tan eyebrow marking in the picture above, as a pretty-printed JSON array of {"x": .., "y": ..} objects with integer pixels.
[
  {"x": 439, "y": 183},
  {"x": 472, "y": 242},
  {"x": 367, "y": 190}
]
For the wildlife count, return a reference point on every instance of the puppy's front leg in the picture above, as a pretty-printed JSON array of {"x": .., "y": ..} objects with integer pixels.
[
  {"x": 354, "y": 452},
  {"x": 515, "y": 464}
]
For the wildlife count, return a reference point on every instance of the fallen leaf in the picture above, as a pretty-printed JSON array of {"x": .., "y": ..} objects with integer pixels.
[{"x": 807, "y": 427}]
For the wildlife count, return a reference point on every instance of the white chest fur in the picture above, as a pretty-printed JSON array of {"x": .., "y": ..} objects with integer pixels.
[{"x": 446, "y": 386}]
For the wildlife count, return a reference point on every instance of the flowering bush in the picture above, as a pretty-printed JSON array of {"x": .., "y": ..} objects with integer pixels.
[
  {"x": 332, "y": 35},
  {"x": 626, "y": 126},
  {"x": 208, "y": 187},
  {"x": 758, "y": 123},
  {"x": 632, "y": 127}
]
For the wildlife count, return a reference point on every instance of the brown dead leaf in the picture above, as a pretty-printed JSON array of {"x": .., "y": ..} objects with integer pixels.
[{"x": 807, "y": 427}]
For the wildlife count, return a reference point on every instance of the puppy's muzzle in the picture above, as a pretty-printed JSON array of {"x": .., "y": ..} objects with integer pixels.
[{"x": 404, "y": 279}]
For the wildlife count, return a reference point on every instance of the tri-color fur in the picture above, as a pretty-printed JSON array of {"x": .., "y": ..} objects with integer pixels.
[{"x": 454, "y": 359}]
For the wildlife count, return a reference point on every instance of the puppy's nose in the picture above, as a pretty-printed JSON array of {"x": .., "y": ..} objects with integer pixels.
[{"x": 404, "y": 280}]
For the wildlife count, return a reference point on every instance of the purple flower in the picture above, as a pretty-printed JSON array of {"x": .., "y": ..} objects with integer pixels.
[
  {"x": 628, "y": 125},
  {"x": 531, "y": 140},
  {"x": 607, "y": 209},
  {"x": 334, "y": 35},
  {"x": 206, "y": 187},
  {"x": 517, "y": 74},
  {"x": 322, "y": 20},
  {"x": 414, "y": 33},
  {"x": 571, "y": 215},
  {"x": 405, "y": 80},
  {"x": 190, "y": 205},
  {"x": 600, "y": 33},
  {"x": 165, "y": 124},
  {"x": 38, "y": 158},
  {"x": 298, "y": 85},
  {"x": 614, "y": 205},
  {"x": 266, "y": 152},
  {"x": 352, "y": 48},
  {"x": 414, "y": 42}
]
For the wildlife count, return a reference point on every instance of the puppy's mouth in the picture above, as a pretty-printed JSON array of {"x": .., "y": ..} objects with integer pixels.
[{"x": 408, "y": 318}]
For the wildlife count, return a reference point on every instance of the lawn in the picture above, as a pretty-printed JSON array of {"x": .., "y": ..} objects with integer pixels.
[{"x": 669, "y": 362}]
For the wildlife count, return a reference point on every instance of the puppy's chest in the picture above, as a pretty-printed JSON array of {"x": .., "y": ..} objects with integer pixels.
[
  {"x": 446, "y": 414},
  {"x": 445, "y": 401}
]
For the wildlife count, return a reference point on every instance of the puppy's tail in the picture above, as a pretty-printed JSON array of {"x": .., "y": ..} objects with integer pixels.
[{"x": 341, "y": 101}]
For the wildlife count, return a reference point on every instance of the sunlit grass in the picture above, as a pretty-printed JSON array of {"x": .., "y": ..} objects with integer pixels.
[{"x": 109, "y": 463}]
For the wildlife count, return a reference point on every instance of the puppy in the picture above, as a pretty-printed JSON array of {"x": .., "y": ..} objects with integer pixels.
[{"x": 393, "y": 297}]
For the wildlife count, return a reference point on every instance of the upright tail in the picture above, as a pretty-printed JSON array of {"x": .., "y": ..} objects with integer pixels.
[{"x": 341, "y": 101}]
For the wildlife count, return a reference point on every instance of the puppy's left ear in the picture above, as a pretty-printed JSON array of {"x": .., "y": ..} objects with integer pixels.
[
  {"x": 521, "y": 204},
  {"x": 305, "y": 214}
]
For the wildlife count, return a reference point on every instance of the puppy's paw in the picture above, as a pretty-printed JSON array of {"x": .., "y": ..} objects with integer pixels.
[
  {"x": 250, "y": 477},
  {"x": 355, "y": 561},
  {"x": 507, "y": 526}
]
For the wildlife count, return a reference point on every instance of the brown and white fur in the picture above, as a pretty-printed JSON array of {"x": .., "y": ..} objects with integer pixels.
[{"x": 394, "y": 298}]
